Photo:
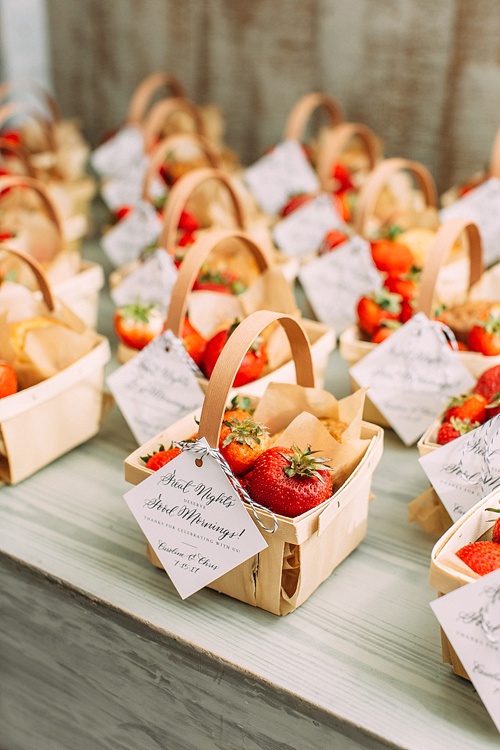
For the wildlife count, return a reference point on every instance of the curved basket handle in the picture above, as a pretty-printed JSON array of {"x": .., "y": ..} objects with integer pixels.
[
  {"x": 335, "y": 143},
  {"x": 303, "y": 109},
  {"x": 446, "y": 236},
  {"x": 182, "y": 191},
  {"x": 13, "y": 181},
  {"x": 170, "y": 144},
  {"x": 20, "y": 152},
  {"x": 160, "y": 113},
  {"x": 40, "y": 93},
  {"x": 38, "y": 272},
  {"x": 227, "y": 365},
  {"x": 191, "y": 266},
  {"x": 373, "y": 186},
  {"x": 14, "y": 109},
  {"x": 145, "y": 91}
]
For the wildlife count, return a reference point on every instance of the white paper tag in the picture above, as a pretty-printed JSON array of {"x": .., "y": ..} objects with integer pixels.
[
  {"x": 275, "y": 177},
  {"x": 303, "y": 230},
  {"x": 482, "y": 206},
  {"x": 151, "y": 282},
  {"x": 124, "y": 242},
  {"x": 470, "y": 617},
  {"x": 466, "y": 469},
  {"x": 120, "y": 153},
  {"x": 155, "y": 388},
  {"x": 411, "y": 376},
  {"x": 334, "y": 282},
  {"x": 125, "y": 190},
  {"x": 194, "y": 520}
]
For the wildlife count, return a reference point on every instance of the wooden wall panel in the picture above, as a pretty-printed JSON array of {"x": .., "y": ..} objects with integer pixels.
[{"x": 424, "y": 75}]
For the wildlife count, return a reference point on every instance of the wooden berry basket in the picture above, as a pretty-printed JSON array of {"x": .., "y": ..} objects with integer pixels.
[
  {"x": 147, "y": 90},
  {"x": 75, "y": 281},
  {"x": 46, "y": 420},
  {"x": 447, "y": 573},
  {"x": 277, "y": 293},
  {"x": 305, "y": 550}
]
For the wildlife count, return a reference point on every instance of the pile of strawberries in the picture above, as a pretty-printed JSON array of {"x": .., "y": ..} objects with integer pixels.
[
  {"x": 287, "y": 481},
  {"x": 383, "y": 311},
  {"x": 483, "y": 556},
  {"x": 471, "y": 409}
]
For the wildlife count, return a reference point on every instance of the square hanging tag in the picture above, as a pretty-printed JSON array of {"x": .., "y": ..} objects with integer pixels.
[
  {"x": 125, "y": 240},
  {"x": 194, "y": 519},
  {"x": 150, "y": 283},
  {"x": 157, "y": 387},
  {"x": 344, "y": 274},
  {"x": 470, "y": 617},
  {"x": 119, "y": 154},
  {"x": 276, "y": 176},
  {"x": 466, "y": 469},
  {"x": 411, "y": 376}
]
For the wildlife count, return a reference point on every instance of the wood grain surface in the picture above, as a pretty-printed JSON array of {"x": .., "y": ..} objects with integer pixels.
[
  {"x": 424, "y": 75},
  {"x": 98, "y": 651}
]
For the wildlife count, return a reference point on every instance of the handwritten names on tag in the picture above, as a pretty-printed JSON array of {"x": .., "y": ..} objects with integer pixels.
[
  {"x": 482, "y": 206},
  {"x": 125, "y": 240},
  {"x": 119, "y": 154},
  {"x": 194, "y": 520},
  {"x": 302, "y": 231},
  {"x": 155, "y": 388},
  {"x": 334, "y": 282},
  {"x": 151, "y": 282},
  {"x": 275, "y": 177},
  {"x": 470, "y": 617},
  {"x": 411, "y": 375},
  {"x": 466, "y": 469}
]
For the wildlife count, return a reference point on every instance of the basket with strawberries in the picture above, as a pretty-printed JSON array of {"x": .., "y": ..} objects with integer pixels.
[
  {"x": 51, "y": 376},
  {"x": 204, "y": 312},
  {"x": 470, "y": 548},
  {"x": 302, "y": 459}
]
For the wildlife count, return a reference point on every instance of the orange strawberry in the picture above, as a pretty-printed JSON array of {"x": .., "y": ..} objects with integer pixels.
[
  {"x": 289, "y": 481},
  {"x": 385, "y": 329},
  {"x": 376, "y": 307},
  {"x": 391, "y": 257},
  {"x": 331, "y": 240},
  {"x": 482, "y": 557},
  {"x": 484, "y": 336},
  {"x": 471, "y": 406},
  {"x": 8, "y": 380},
  {"x": 136, "y": 325},
  {"x": 406, "y": 285},
  {"x": 242, "y": 441},
  {"x": 294, "y": 202},
  {"x": 159, "y": 458}
]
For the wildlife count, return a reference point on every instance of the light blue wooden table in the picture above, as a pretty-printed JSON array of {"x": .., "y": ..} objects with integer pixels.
[{"x": 98, "y": 652}]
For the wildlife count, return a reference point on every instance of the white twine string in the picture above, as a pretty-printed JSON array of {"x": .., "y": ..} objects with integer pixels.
[
  {"x": 203, "y": 451},
  {"x": 447, "y": 333}
]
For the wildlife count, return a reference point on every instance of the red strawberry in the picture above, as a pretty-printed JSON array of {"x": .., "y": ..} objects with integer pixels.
[
  {"x": 482, "y": 557},
  {"x": 123, "y": 211},
  {"x": 225, "y": 282},
  {"x": 376, "y": 307},
  {"x": 331, "y": 240},
  {"x": 488, "y": 383},
  {"x": 484, "y": 336},
  {"x": 289, "y": 481},
  {"x": 253, "y": 362},
  {"x": 453, "y": 429},
  {"x": 188, "y": 222},
  {"x": 137, "y": 325},
  {"x": 406, "y": 285},
  {"x": 186, "y": 239},
  {"x": 471, "y": 406},
  {"x": 8, "y": 380},
  {"x": 159, "y": 458},
  {"x": 193, "y": 341},
  {"x": 294, "y": 202},
  {"x": 242, "y": 441},
  {"x": 342, "y": 175}
]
